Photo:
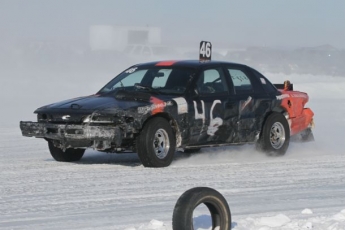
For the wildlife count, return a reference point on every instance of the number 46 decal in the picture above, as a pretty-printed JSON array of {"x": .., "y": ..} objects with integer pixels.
[{"x": 205, "y": 51}]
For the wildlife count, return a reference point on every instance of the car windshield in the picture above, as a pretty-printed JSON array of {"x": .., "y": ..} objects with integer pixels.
[{"x": 156, "y": 79}]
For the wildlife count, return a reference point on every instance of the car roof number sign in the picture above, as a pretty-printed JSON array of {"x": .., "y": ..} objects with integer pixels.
[{"x": 205, "y": 51}]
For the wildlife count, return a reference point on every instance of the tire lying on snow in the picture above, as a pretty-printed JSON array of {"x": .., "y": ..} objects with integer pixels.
[
  {"x": 69, "y": 155},
  {"x": 156, "y": 143},
  {"x": 275, "y": 135},
  {"x": 214, "y": 201}
]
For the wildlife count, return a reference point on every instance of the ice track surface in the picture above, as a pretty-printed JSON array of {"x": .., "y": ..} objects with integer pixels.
[{"x": 105, "y": 191}]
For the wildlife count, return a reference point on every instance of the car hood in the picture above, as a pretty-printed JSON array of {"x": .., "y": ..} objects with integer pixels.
[{"x": 120, "y": 101}]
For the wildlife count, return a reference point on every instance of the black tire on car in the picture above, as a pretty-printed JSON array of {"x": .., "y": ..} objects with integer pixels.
[
  {"x": 156, "y": 143},
  {"x": 275, "y": 135},
  {"x": 214, "y": 201},
  {"x": 69, "y": 155}
]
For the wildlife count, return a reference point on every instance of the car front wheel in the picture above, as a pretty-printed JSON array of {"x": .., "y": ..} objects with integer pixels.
[
  {"x": 156, "y": 143},
  {"x": 69, "y": 155}
]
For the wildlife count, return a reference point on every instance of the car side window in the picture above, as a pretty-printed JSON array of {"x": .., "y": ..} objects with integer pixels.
[
  {"x": 212, "y": 81},
  {"x": 241, "y": 81},
  {"x": 160, "y": 80}
]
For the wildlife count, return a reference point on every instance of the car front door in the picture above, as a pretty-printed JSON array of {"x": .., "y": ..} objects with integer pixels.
[{"x": 212, "y": 114}]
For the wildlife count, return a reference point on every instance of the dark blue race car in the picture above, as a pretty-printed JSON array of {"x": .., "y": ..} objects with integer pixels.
[{"x": 157, "y": 108}]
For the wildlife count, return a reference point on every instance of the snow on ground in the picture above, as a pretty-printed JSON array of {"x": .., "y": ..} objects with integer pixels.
[{"x": 305, "y": 189}]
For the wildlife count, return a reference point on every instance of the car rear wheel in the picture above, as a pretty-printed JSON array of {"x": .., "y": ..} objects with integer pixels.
[
  {"x": 275, "y": 136},
  {"x": 156, "y": 143},
  {"x": 69, "y": 155}
]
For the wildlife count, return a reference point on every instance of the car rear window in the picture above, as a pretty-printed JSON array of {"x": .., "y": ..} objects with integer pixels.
[{"x": 266, "y": 84}]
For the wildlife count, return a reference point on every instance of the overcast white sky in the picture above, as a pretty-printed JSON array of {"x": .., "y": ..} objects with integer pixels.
[{"x": 290, "y": 23}]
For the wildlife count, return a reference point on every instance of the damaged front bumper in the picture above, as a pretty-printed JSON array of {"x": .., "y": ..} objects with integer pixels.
[{"x": 74, "y": 136}]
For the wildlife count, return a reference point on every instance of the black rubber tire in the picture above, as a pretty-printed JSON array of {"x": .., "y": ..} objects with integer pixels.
[
  {"x": 264, "y": 143},
  {"x": 189, "y": 200},
  {"x": 146, "y": 139},
  {"x": 69, "y": 155}
]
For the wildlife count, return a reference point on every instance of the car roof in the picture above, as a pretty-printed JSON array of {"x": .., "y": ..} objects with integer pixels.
[{"x": 185, "y": 63}]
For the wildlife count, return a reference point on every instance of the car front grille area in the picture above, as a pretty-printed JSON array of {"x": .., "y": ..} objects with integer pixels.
[
  {"x": 61, "y": 118},
  {"x": 67, "y": 131}
]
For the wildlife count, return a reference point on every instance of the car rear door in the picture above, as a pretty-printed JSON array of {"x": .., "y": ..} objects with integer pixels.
[{"x": 252, "y": 101}]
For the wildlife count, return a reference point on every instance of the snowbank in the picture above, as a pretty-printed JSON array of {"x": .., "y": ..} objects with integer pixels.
[{"x": 279, "y": 221}]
